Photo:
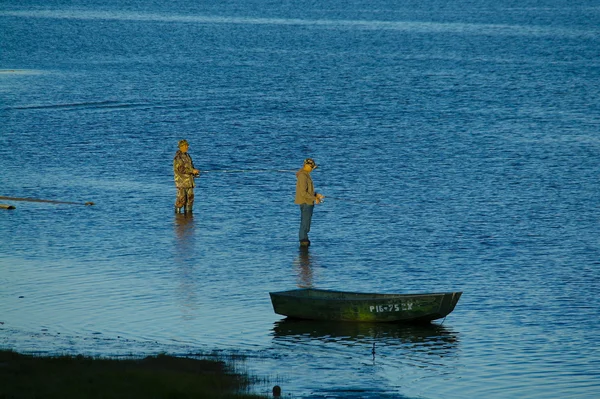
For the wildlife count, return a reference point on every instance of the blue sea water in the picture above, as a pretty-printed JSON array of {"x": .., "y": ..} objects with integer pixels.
[{"x": 459, "y": 148}]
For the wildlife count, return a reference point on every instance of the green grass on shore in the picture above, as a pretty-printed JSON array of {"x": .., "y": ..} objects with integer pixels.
[{"x": 162, "y": 376}]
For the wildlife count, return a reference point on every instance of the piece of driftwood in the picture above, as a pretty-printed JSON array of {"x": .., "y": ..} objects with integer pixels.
[{"x": 45, "y": 200}]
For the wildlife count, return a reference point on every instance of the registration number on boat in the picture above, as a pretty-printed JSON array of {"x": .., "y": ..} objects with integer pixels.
[{"x": 393, "y": 307}]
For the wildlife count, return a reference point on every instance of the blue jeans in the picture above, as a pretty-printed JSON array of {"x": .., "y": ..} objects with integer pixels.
[{"x": 306, "y": 212}]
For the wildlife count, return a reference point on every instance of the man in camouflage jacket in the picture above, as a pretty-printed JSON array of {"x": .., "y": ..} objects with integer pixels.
[{"x": 184, "y": 171}]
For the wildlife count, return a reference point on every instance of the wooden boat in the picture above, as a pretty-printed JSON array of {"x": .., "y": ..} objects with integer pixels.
[{"x": 316, "y": 304}]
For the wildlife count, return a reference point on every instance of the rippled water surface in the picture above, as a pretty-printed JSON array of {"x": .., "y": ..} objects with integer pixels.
[{"x": 459, "y": 148}]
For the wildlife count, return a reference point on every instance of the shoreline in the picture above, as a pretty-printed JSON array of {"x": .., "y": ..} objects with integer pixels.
[{"x": 158, "y": 376}]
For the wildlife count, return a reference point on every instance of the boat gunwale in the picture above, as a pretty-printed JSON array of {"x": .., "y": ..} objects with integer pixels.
[{"x": 360, "y": 296}]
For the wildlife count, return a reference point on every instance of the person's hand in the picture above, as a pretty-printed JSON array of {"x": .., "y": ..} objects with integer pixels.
[
  {"x": 320, "y": 198},
  {"x": 196, "y": 172}
]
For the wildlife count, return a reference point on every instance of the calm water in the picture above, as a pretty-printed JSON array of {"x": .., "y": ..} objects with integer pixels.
[{"x": 459, "y": 144}]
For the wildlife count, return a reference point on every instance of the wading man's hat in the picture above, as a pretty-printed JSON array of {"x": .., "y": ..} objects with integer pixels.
[{"x": 311, "y": 162}]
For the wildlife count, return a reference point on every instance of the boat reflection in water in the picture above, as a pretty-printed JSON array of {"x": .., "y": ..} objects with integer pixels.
[
  {"x": 433, "y": 337},
  {"x": 364, "y": 360}
]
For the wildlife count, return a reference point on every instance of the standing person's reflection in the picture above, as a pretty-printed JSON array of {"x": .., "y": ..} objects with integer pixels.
[
  {"x": 304, "y": 268},
  {"x": 184, "y": 230},
  {"x": 185, "y": 261}
]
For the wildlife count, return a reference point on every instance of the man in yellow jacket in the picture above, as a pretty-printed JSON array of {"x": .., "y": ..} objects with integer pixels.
[{"x": 306, "y": 197}]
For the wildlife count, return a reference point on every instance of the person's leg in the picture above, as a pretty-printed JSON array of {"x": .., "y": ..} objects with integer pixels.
[
  {"x": 306, "y": 212},
  {"x": 189, "y": 205},
  {"x": 302, "y": 233},
  {"x": 180, "y": 200}
]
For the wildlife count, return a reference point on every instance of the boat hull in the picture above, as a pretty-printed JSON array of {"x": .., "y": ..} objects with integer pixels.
[{"x": 314, "y": 304}]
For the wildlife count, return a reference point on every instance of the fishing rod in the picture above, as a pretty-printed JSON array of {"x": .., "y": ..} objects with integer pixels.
[
  {"x": 45, "y": 200},
  {"x": 246, "y": 170},
  {"x": 363, "y": 202}
]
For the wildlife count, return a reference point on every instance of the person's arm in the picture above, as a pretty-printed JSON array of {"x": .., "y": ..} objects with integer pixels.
[
  {"x": 195, "y": 171},
  {"x": 184, "y": 168},
  {"x": 302, "y": 188}
]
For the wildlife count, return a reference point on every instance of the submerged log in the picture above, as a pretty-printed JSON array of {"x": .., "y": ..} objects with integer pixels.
[{"x": 5, "y": 206}]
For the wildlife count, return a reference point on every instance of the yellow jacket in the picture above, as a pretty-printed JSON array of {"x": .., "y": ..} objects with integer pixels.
[{"x": 305, "y": 189}]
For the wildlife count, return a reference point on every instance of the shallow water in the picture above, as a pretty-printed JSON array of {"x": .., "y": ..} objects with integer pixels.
[{"x": 458, "y": 147}]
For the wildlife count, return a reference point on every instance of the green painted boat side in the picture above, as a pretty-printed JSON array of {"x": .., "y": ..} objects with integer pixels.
[{"x": 317, "y": 304}]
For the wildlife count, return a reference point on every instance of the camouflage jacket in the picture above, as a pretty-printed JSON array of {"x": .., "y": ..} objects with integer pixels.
[{"x": 183, "y": 169}]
